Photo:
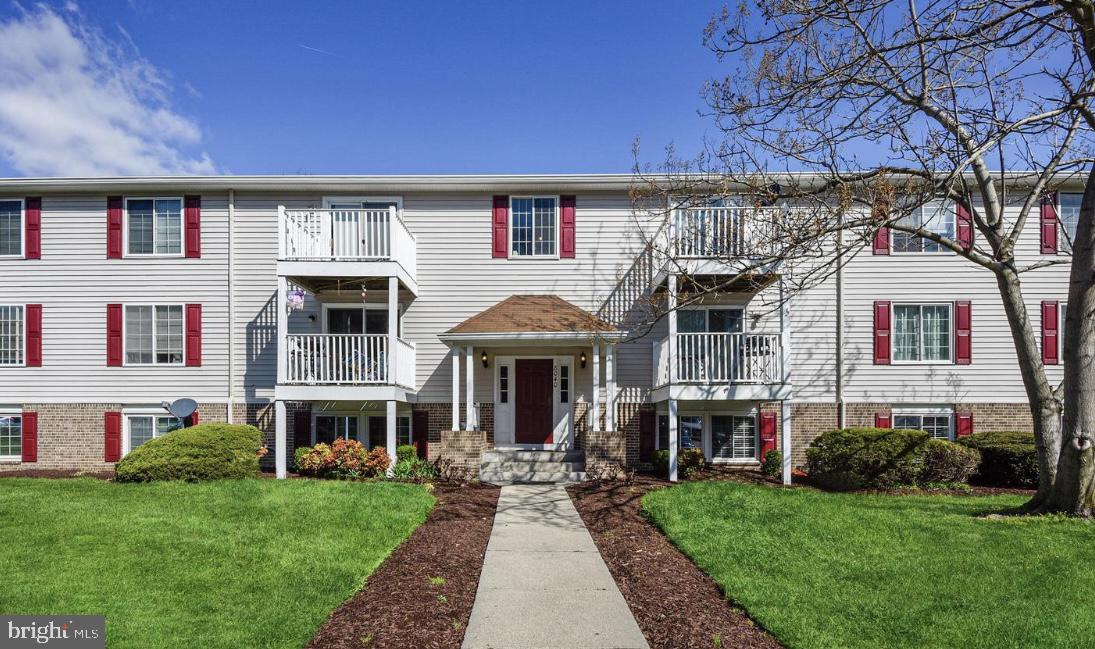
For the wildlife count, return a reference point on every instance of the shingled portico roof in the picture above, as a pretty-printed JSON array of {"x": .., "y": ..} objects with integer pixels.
[{"x": 534, "y": 317}]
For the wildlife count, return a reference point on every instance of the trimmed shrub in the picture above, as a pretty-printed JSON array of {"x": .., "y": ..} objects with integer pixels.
[
  {"x": 413, "y": 469},
  {"x": 1008, "y": 459},
  {"x": 405, "y": 452},
  {"x": 772, "y": 464},
  {"x": 858, "y": 458},
  {"x": 203, "y": 452},
  {"x": 299, "y": 454},
  {"x": 947, "y": 462},
  {"x": 689, "y": 461},
  {"x": 660, "y": 460},
  {"x": 344, "y": 458}
]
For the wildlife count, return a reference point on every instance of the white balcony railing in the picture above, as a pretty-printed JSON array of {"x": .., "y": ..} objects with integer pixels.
[
  {"x": 348, "y": 359},
  {"x": 715, "y": 358},
  {"x": 724, "y": 232},
  {"x": 346, "y": 235}
]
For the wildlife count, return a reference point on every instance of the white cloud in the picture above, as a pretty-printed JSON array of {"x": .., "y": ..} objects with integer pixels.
[{"x": 75, "y": 103}]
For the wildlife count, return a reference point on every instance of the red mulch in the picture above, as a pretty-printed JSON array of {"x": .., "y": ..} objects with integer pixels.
[
  {"x": 674, "y": 602},
  {"x": 399, "y": 607}
]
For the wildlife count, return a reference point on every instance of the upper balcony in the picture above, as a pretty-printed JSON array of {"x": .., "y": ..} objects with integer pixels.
[
  {"x": 720, "y": 365},
  {"x": 331, "y": 242},
  {"x": 723, "y": 239}
]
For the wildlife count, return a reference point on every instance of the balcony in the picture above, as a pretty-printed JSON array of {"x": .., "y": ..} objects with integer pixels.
[
  {"x": 330, "y": 362},
  {"x": 721, "y": 365},
  {"x": 348, "y": 242}
]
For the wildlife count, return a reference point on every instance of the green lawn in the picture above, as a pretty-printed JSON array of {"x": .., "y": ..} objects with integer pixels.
[
  {"x": 251, "y": 563},
  {"x": 841, "y": 570}
]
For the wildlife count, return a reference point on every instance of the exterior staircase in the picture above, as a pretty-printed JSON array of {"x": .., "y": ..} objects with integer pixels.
[{"x": 506, "y": 466}]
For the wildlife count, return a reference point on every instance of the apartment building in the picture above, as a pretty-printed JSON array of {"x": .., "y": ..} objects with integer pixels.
[{"x": 475, "y": 316}]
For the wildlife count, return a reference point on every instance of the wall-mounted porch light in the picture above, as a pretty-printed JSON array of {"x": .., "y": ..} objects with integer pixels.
[
  {"x": 582, "y": 360},
  {"x": 484, "y": 359}
]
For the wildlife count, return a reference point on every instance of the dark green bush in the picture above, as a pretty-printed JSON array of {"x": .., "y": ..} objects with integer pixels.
[
  {"x": 660, "y": 460},
  {"x": 947, "y": 462},
  {"x": 689, "y": 461},
  {"x": 772, "y": 464},
  {"x": 405, "y": 452},
  {"x": 414, "y": 469},
  {"x": 202, "y": 452},
  {"x": 1008, "y": 459},
  {"x": 857, "y": 458},
  {"x": 299, "y": 455}
]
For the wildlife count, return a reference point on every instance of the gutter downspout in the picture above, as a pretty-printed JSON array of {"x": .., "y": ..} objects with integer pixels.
[
  {"x": 840, "y": 408},
  {"x": 231, "y": 305}
]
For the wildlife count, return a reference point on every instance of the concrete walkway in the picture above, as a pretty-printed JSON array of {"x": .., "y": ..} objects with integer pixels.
[{"x": 543, "y": 583}]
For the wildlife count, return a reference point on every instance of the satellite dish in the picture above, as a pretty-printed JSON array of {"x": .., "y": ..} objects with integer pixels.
[{"x": 181, "y": 408}]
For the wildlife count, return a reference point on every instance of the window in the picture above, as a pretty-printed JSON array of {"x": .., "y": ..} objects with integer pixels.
[
  {"x": 11, "y": 436},
  {"x": 564, "y": 384},
  {"x": 503, "y": 384},
  {"x": 936, "y": 425},
  {"x": 1069, "y": 216},
  {"x": 689, "y": 430},
  {"x": 402, "y": 430},
  {"x": 721, "y": 320},
  {"x": 533, "y": 226},
  {"x": 145, "y": 427},
  {"x": 331, "y": 427},
  {"x": 934, "y": 216},
  {"x": 154, "y": 334},
  {"x": 922, "y": 332},
  {"x": 733, "y": 437},
  {"x": 11, "y": 228},
  {"x": 11, "y": 335},
  {"x": 154, "y": 226}
]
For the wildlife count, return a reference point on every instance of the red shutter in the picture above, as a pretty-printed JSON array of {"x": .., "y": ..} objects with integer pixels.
[
  {"x": 767, "y": 432},
  {"x": 963, "y": 351},
  {"x": 192, "y": 217},
  {"x": 964, "y": 425},
  {"x": 302, "y": 429},
  {"x": 33, "y": 228},
  {"x": 112, "y": 436},
  {"x": 568, "y": 207},
  {"x": 420, "y": 427},
  {"x": 965, "y": 226},
  {"x": 882, "y": 241},
  {"x": 1050, "y": 327},
  {"x": 881, "y": 332},
  {"x": 34, "y": 335},
  {"x": 883, "y": 420},
  {"x": 500, "y": 227},
  {"x": 193, "y": 335},
  {"x": 648, "y": 434},
  {"x": 114, "y": 227},
  {"x": 114, "y": 335},
  {"x": 1048, "y": 220},
  {"x": 193, "y": 420},
  {"x": 30, "y": 437}
]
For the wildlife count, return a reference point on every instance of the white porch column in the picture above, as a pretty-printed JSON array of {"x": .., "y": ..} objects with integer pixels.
[
  {"x": 455, "y": 353},
  {"x": 393, "y": 328},
  {"x": 280, "y": 448},
  {"x": 785, "y": 441},
  {"x": 671, "y": 307},
  {"x": 469, "y": 380},
  {"x": 283, "y": 327},
  {"x": 595, "y": 425},
  {"x": 610, "y": 387},
  {"x": 391, "y": 434},
  {"x": 673, "y": 440}
]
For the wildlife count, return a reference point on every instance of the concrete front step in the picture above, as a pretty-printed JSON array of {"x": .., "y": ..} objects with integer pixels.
[
  {"x": 522, "y": 455},
  {"x": 510, "y": 477},
  {"x": 522, "y": 465}
]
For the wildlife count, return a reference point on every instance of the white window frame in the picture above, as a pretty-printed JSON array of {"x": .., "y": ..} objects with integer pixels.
[
  {"x": 14, "y": 412},
  {"x": 364, "y": 306},
  {"x": 22, "y": 228},
  {"x": 1065, "y": 239},
  {"x": 149, "y": 411},
  {"x": 893, "y": 333},
  {"x": 709, "y": 436},
  {"x": 948, "y": 208},
  {"x": 718, "y": 307},
  {"x": 22, "y": 334},
  {"x": 125, "y": 334},
  {"x": 156, "y": 255},
  {"x": 509, "y": 228},
  {"x": 926, "y": 411},
  {"x": 363, "y": 422}
]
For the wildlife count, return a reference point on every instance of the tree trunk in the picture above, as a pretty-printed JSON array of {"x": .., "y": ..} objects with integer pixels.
[{"x": 1074, "y": 489}]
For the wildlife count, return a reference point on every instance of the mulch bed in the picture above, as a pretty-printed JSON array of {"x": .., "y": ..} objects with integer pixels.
[
  {"x": 674, "y": 602},
  {"x": 400, "y": 606}
]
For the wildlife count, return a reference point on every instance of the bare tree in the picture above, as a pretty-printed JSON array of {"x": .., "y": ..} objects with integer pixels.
[{"x": 943, "y": 97}]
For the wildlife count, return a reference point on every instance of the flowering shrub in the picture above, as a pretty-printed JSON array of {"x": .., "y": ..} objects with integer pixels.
[{"x": 344, "y": 458}]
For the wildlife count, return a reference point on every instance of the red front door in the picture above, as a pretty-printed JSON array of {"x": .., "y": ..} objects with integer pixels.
[{"x": 534, "y": 403}]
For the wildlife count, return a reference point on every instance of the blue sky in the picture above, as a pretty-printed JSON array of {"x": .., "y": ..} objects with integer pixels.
[{"x": 398, "y": 87}]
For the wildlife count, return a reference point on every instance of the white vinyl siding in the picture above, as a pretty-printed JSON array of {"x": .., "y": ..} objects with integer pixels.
[
  {"x": 922, "y": 332},
  {"x": 935, "y": 216},
  {"x": 154, "y": 334},
  {"x": 11, "y": 228},
  {"x": 11, "y": 437},
  {"x": 534, "y": 223},
  {"x": 142, "y": 428},
  {"x": 1069, "y": 216},
  {"x": 154, "y": 227},
  {"x": 12, "y": 335}
]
